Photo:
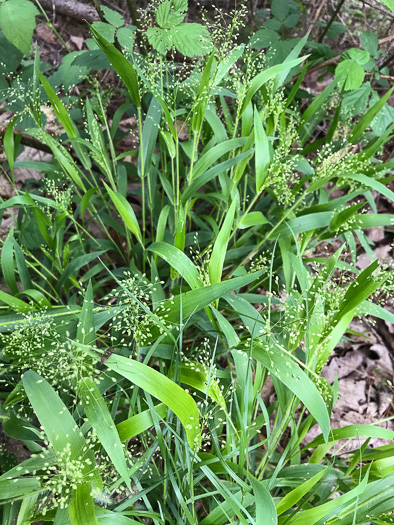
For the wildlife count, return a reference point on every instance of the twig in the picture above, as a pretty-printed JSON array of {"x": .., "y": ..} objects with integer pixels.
[
  {"x": 71, "y": 8},
  {"x": 386, "y": 39},
  {"x": 386, "y": 12},
  {"x": 328, "y": 62},
  {"x": 332, "y": 19},
  {"x": 315, "y": 18}
]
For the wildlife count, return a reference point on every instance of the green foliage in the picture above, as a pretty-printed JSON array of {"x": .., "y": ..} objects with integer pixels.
[
  {"x": 189, "y": 39},
  {"x": 17, "y": 21},
  {"x": 149, "y": 295}
]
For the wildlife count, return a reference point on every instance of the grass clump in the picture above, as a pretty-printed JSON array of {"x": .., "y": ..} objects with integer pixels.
[{"x": 155, "y": 294}]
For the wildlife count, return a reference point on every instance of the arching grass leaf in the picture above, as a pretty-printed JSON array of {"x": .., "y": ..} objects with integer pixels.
[
  {"x": 98, "y": 414},
  {"x": 168, "y": 392}
]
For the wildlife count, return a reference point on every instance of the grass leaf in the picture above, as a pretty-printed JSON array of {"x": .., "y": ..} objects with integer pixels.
[
  {"x": 98, "y": 414},
  {"x": 168, "y": 392}
]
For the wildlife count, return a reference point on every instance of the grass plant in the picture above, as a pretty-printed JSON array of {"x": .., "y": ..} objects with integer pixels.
[{"x": 153, "y": 293}]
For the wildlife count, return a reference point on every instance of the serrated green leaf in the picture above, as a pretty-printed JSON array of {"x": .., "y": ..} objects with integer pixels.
[
  {"x": 189, "y": 39},
  {"x": 359, "y": 55},
  {"x": 113, "y": 17},
  {"x": 389, "y": 4},
  {"x": 159, "y": 39},
  {"x": 126, "y": 37},
  {"x": 264, "y": 38},
  {"x": 349, "y": 75},
  {"x": 170, "y": 13},
  {"x": 17, "y": 21}
]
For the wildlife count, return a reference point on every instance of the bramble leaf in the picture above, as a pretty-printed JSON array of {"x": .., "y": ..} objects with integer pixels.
[{"x": 17, "y": 21}]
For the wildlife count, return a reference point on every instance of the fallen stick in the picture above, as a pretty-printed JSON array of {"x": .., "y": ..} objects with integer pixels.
[{"x": 71, "y": 8}]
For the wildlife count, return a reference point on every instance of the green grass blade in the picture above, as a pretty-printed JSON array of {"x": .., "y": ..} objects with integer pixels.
[
  {"x": 86, "y": 331},
  {"x": 58, "y": 106},
  {"x": 22, "y": 266},
  {"x": 168, "y": 392},
  {"x": 207, "y": 176},
  {"x": 288, "y": 372},
  {"x": 214, "y": 154},
  {"x": 195, "y": 300},
  {"x": 179, "y": 261},
  {"x": 121, "y": 65},
  {"x": 354, "y": 431},
  {"x": 344, "y": 216},
  {"x": 81, "y": 507},
  {"x": 139, "y": 423},
  {"x": 262, "y": 78},
  {"x": 329, "y": 509},
  {"x": 265, "y": 508},
  {"x": 371, "y": 183},
  {"x": 366, "y": 119},
  {"x": 262, "y": 152},
  {"x": 227, "y": 63},
  {"x": 149, "y": 135},
  {"x": 98, "y": 414},
  {"x": 299, "y": 492},
  {"x": 219, "y": 251},
  {"x": 76, "y": 264},
  {"x": 58, "y": 423},
  {"x": 281, "y": 78},
  {"x": 369, "y": 308},
  {"x": 62, "y": 155},
  {"x": 316, "y": 105},
  {"x": 197, "y": 376},
  {"x": 126, "y": 212},
  {"x": 162, "y": 222},
  {"x": 14, "y": 303},
  {"x": 9, "y": 145},
  {"x": 11, "y": 489},
  {"x": 8, "y": 263}
]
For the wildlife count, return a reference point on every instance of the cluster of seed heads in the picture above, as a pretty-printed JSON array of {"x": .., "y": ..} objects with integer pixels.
[
  {"x": 36, "y": 344},
  {"x": 282, "y": 175},
  {"x": 135, "y": 319}
]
